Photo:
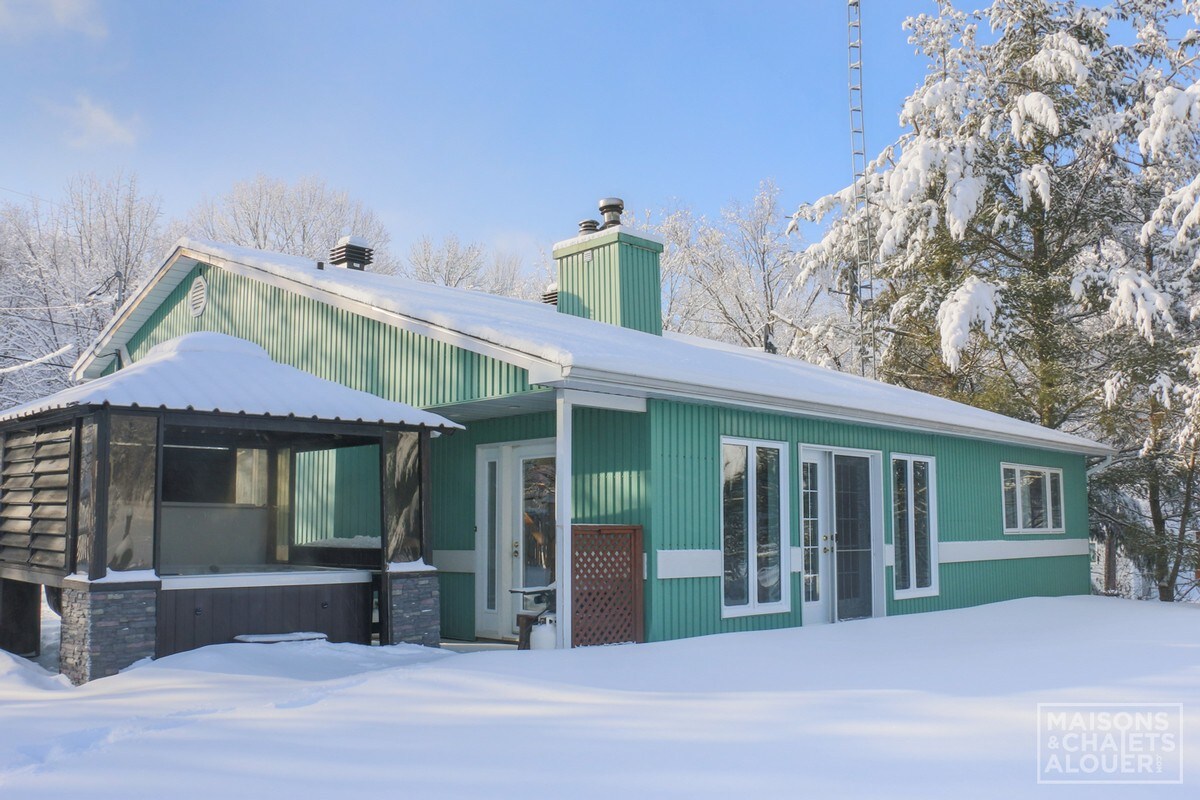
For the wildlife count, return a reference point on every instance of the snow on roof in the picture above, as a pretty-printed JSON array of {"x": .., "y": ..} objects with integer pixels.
[
  {"x": 563, "y": 350},
  {"x": 220, "y": 373}
]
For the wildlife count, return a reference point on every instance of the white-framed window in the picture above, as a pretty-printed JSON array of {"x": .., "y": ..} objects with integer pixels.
[
  {"x": 755, "y": 527},
  {"x": 1033, "y": 499},
  {"x": 914, "y": 526}
]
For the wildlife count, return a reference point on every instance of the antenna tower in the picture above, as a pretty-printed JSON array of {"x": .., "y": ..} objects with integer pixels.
[{"x": 862, "y": 279}]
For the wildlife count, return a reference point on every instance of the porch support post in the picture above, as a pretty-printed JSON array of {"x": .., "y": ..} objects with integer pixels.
[{"x": 562, "y": 514}]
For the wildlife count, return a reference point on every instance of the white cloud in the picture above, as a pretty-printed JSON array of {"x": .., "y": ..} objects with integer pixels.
[
  {"x": 26, "y": 17},
  {"x": 91, "y": 125}
]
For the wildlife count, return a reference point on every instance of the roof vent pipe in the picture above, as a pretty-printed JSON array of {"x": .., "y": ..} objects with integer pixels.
[
  {"x": 611, "y": 208},
  {"x": 587, "y": 226},
  {"x": 352, "y": 252},
  {"x": 550, "y": 296}
]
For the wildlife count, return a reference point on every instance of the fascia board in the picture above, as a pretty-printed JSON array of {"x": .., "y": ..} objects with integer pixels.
[
  {"x": 88, "y": 365},
  {"x": 594, "y": 380}
]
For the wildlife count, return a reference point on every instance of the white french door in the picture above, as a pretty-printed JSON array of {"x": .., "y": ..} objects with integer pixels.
[
  {"x": 514, "y": 531},
  {"x": 816, "y": 540},
  {"x": 841, "y": 534}
]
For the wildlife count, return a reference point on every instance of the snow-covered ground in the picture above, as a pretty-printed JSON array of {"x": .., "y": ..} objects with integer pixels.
[{"x": 929, "y": 705}]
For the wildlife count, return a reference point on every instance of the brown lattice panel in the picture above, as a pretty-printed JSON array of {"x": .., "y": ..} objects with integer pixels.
[{"x": 606, "y": 580}]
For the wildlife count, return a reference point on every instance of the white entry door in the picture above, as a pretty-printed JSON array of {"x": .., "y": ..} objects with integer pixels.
[
  {"x": 841, "y": 538},
  {"x": 514, "y": 531}
]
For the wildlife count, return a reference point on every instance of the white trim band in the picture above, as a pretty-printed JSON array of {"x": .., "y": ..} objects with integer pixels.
[
  {"x": 249, "y": 580},
  {"x": 689, "y": 564},
  {"x": 993, "y": 550},
  {"x": 454, "y": 560},
  {"x": 611, "y": 402}
]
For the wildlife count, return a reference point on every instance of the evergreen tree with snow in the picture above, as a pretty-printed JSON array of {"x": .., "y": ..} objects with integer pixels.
[{"x": 1037, "y": 226}]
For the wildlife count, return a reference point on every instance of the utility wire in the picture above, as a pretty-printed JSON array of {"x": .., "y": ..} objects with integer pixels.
[
  {"x": 47, "y": 363},
  {"x": 75, "y": 325},
  {"x": 27, "y": 194}
]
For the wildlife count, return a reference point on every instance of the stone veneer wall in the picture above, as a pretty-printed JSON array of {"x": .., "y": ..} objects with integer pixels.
[
  {"x": 106, "y": 628},
  {"x": 416, "y": 615}
]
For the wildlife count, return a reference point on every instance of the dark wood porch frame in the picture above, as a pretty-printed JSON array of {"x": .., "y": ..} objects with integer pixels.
[{"x": 400, "y": 521}]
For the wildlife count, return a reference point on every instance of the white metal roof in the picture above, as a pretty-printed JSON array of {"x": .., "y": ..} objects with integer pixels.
[
  {"x": 220, "y": 373},
  {"x": 564, "y": 350}
]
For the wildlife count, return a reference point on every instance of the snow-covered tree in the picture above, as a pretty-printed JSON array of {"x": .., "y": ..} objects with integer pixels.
[
  {"x": 305, "y": 218},
  {"x": 1037, "y": 226},
  {"x": 65, "y": 267},
  {"x": 735, "y": 280},
  {"x": 467, "y": 266}
]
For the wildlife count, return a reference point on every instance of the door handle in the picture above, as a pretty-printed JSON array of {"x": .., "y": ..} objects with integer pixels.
[
  {"x": 516, "y": 548},
  {"x": 825, "y": 549}
]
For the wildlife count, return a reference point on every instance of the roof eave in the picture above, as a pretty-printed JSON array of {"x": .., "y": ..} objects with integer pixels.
[
  {"x": 546, "y": 373},
  {"x": 89, "y": 364},
  {"x": 615, "y": 383}
]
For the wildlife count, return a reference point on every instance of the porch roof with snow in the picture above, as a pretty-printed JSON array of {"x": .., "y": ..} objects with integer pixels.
[
  {"x": 213, "y": 372},
  {"x": 564, "y": 351}
]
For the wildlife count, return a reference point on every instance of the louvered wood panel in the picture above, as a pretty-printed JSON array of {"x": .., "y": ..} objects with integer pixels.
[
  {"x": 51, "y": 544},
  {"x": 46, "y": 496},
  {"x": 18, "y": 468},
  {"x": 54, "y": 480},
  {"x": 14, "y": 555},
  {"x": 54, "y": 449},
  {"x": 44, "y": 465},
  {"x": 43, "y": 558},
  {"x": 34, "y": 497},
  {"x": 58, "y": 433},
  {"x": 57, "y": 527}
]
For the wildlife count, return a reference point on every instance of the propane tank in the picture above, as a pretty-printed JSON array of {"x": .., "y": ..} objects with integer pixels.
[{"x": 544, "y": 635}]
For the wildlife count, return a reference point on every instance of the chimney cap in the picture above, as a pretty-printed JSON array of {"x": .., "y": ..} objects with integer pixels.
[
  {"x": 588, "y": 226},
  {"x": 611, "y": 208},
  {"x": 351, "y": 252}
]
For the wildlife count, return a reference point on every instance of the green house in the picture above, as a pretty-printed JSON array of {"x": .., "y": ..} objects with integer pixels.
[{"x": 666, "y": 486}]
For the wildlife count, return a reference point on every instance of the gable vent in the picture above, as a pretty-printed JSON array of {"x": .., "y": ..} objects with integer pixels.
[{"x": 198, "y": 296}]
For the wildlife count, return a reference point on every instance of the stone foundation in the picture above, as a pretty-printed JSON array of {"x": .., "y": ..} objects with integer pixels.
[
  {"x": 105, "y": 628},
  {"x": 416, "y": 614}
]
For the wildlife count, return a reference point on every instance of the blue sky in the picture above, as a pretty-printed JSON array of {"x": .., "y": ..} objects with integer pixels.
[{"x": 501, "y": 122}]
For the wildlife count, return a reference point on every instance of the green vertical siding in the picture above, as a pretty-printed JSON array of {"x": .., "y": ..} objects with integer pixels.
[
  {"x": 332, "y": 343},
  {"x": 364, "y": 354},
  {"x": 610, "y": 485},
  {"x": 685, "y": 510},
  {"x": 972, "y": 583},
  {"x": 611, "y": 451},
  {"x": 457, "y": 590},
  {"x": 614, "y": 279},
  {"x": 660, "y": 469},
  {"x": 337, "y": 493},
  {"x": 453, "y": 504}
]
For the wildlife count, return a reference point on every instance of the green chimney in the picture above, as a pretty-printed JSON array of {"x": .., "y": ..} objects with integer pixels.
[{"x": 611, "y": 275}]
